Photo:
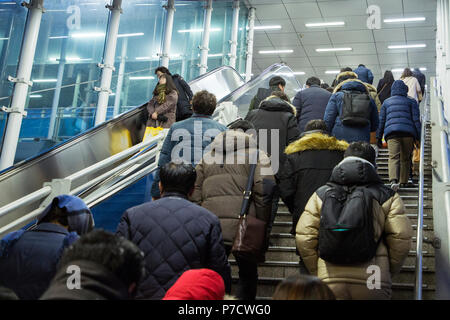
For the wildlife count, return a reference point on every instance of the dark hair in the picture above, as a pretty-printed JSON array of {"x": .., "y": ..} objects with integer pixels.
[
  {"x": 388, "y": 77},
  {"x": 346, "y": 69},
  {"x": 407, "y": 73},
  {"x": 115, "y": 253},
  {"x": 56, "y": 214},
  {"x": 178, "y": 177},
  {"x": 204, "y": 102},
  {"x": 281, "y": 95},
  {"x": 163, "y": 70},
  {"x": 277, "y": 80},
  {"x": 313, "y": 81},
  {"x": 361, "y": 65},
  {"x": 303, "y": 287},
  {"x": 316, "y": 124},
  {"x": 324, "y": 85},
  {"x": 241, "y": 124},
  {"x": 170, "y": 85},
  {"x": 361, "y": 149}
]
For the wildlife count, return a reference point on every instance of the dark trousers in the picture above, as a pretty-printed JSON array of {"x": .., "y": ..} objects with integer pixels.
[{"x": 248, "y": 278}]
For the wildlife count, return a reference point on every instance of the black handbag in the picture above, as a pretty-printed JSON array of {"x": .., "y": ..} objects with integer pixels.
[{"x": 250, "y": 240}]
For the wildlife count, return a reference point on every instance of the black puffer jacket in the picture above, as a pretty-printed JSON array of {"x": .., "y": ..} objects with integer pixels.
[
  {"x": 276, "y": 114},
  {"x": 175, "y": 235},
  {"x": 310, "y": 161}
]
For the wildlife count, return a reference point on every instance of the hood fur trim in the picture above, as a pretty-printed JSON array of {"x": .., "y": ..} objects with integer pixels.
[
  {"x": 339, "y": 86},
  {"x": 316, "y": 141},
  {"x": 346, "y": 73}
]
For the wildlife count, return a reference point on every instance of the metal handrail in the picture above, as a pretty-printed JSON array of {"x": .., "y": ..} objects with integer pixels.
[
  {"x": 419, "y": 237},
  {"x": 45, "y": 191}
]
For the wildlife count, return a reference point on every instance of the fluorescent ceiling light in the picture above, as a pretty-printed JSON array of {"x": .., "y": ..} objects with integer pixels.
[
  {"x": 198, "y": 30},
  {"x": 71, "y": 59},
  {"x": 145, "y": 4},
  {"x": 277, "y": 27},
  {"x": 325, "y": 24},
  {"x": 399, "y": 20},
  {"x": 4, "y": 39},
  {"x": 35, "y": 96},
  {"x": 58, "y": 37},
  {"x": 401, "y": 69},
  {"x": 143, "y": 58},
  {"x": 333, "y": 49},
  {"x": 130, "y": 35},
  {"x": 423, "y": 69},
  {"x": 298, "y": 72},
  {"x": 88, "y": 35},
  {"x": 44, "y": 80},
  {"x": 408, "y": 46},
  {"x": 212, "y": 55},
  {"x": 142, "y": 78},
  {"x": 332, "y": 72},
  {"x": 275, "y": 51},
  {"x": 10, "y": 3}
]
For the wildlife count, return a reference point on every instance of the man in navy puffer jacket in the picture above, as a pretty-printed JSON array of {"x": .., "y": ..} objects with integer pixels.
[
  {"x": 175, "y": 234},
  {"x": 400, "y": 124},
  {"x": 364, "y": 74}
]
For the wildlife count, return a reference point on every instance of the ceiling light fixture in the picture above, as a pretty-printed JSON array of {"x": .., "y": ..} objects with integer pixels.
[
  {"x": 130, "y": 35},
  {"x": 408, "y": 46},
  {"x": 277, "y": 27},
  {"x": 325, "y": 24},
  {"x": 332, "y": 72},
  {"x": 44, "y": 80},
  {"x": 275, "y": 51},
  {"x": 87, "y": 35},
  {"x": 198, "y": 30},
  {"x": 333, "y": 49},
  {"x": 142, "y": 78},
  {"x": 400, "y": 20}
]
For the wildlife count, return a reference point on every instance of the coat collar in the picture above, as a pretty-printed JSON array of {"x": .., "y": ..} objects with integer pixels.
[
  {"x": 357, "y": 82},
  {"x": 50, "y": 227},
  {"x": 273, "y": 104},
  {"x": 173, "y": 194}
]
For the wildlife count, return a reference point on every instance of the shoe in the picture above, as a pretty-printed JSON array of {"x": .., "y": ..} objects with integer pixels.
[{"x": 395, "y": 185}]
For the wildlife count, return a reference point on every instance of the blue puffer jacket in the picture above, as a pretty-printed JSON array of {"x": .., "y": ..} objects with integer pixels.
[
  {"x": 399, "y": 114},
  {"x": 175, "y": 235},
  {"x": 364, "y": 74},
  {"x": 334, "y": 109},
  {"x": 193, "y": 135}
]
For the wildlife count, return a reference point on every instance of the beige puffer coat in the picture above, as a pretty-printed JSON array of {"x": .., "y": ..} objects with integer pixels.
[
  {"x": 389, "y": 219},
  {"x": 219, "y": 188}
]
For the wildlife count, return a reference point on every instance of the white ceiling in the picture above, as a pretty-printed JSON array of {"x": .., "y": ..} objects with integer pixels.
[{"x": 369, "y": 46}]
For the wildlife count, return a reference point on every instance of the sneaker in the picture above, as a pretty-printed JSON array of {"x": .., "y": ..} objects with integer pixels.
[{"x": 395, "y": 185}]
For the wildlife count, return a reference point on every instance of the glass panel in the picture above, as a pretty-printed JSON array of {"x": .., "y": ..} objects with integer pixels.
[
  {"x": 12, "y": 23},
  {"x": 241, "y": 98}
]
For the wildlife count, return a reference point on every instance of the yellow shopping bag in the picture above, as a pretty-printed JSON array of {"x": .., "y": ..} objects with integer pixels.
[{"x": 151, "y": 132}]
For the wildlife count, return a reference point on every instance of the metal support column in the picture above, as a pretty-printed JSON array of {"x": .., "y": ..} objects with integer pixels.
[
  {"x": 251, "y": 31},
  {"x": 123, "y": 56},
  {"x": 108, "y": 61},
  {"x": 59, "y": 78},
  {"x": 204, "y": 48},
  {"x": 168, "y": 33},
  {"x": 22, "y": 83},
  {"x": 234, "y": 34}
]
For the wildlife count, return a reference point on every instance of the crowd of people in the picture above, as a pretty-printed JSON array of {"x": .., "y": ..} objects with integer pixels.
[{"x": 177, "y": 247}]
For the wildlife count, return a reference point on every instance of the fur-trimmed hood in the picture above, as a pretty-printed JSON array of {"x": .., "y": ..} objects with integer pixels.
[
  {"x": 316, "y": 141},
  {"x": 274, "y": 103}
]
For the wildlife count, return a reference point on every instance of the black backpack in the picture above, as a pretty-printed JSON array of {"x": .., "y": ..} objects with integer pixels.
[
  {"x": 346, "y": 233},
  {"x": 355, "y": 109}
]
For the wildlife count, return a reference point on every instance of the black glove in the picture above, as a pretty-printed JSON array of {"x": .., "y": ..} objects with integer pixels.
[
  {"x": 380, "y": 143},
  {"x": 162, "y": 118}
]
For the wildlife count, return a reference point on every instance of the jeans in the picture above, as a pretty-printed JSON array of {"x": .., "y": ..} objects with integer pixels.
[
  {"x": 248, "y": 278},
  {"x": 275, "y": 200}
]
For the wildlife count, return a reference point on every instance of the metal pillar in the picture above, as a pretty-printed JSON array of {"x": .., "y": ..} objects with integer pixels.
[
  {"x": 203, "y": 65},
  {"x": 234, "y": 34},
  {"x": 22, "y": 83},
  {"x": 123, "y": 56},
  {"x": 251, "y": 31},
  {"x": 59, "y": 78},
  {"x": 108, "y": 62},
  {"x": 76, "y": 90},
  {"x": 168, "y": 33}
]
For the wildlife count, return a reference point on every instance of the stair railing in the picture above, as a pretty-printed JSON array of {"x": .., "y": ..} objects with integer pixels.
[{"x": 419, "y": 242}]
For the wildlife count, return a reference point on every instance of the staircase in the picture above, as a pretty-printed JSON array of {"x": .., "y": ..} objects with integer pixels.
[{"x": 282, "y": 261}]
